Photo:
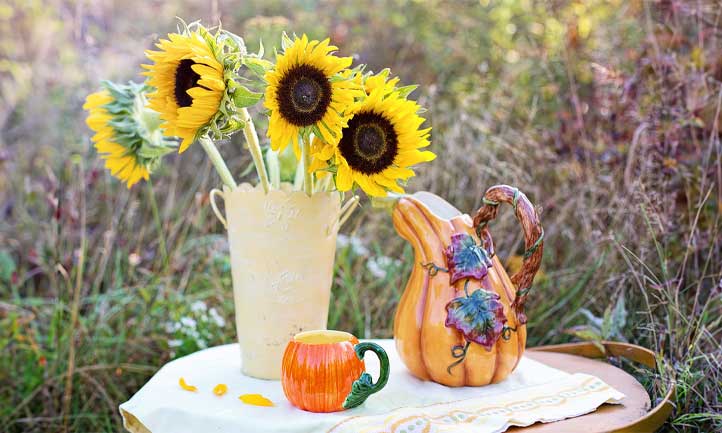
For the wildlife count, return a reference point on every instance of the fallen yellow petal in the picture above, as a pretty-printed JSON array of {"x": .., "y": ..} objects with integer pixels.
[
  {"x": 184, "y": 385},
  {"x": 255, "y": 400},
  {"x": 220, "y": 389}
]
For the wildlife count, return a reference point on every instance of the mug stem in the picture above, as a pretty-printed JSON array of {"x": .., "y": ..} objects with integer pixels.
[{"x": 364, "y": 386}]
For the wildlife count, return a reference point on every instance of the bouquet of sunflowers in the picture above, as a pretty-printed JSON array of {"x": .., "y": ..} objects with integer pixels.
[{"x": 347, "y": 128}]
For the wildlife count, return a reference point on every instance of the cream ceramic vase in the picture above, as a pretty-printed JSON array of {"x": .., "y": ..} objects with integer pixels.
[{"x": 282, "y": 247}]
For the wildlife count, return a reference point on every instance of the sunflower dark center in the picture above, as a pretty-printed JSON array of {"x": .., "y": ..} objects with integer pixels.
[
  {"x": 369, "y": 143},
  {"x": 185, "y": 79},
  {"x": 304, "y": 94}
]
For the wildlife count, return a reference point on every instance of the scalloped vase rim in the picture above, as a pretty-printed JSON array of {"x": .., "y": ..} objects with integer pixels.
[{"x": 286, "y": 190}]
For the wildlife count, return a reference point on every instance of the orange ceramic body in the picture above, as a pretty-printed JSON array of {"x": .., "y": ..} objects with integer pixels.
[
  {"x": 319, "y": 370},
  {"x": 422, "y": 339}
]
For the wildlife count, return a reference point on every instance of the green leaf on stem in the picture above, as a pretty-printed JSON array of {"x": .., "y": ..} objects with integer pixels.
[
  {"x": 257, "y": 65},
  {"x": 243, "y": 97},
  {"x": 406, "y": 90},
  {"x": 286, "y": 42}
]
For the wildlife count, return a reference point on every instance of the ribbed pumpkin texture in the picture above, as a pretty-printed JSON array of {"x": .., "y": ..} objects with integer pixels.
[
  {"x": 423, "y": 340},
  {"x": 319, "y": 369}
]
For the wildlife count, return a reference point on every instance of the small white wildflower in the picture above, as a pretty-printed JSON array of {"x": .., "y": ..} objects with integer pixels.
[
  {"x": 220, "y": 321},
  {"x": 188, "y": 322},
  {"x": 198, "y": 307},
  {"x": 379, "y": 266},
  {"x": 175, "y": 343},
  {"x": 375, "y": 268},
  {"x": 172, "y": 327},
  {"x": 192, "y": 333},
  {"x": 342, "y": 240},
  {"x": 357, "y": 245},
  {"x": 388, "y": 262}
]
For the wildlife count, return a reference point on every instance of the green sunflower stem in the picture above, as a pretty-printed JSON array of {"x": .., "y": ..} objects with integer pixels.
[
  {"x": 218, "y": 162},
  {"x": 249, "y": 131},
  {"x": 307, "y": 177}
]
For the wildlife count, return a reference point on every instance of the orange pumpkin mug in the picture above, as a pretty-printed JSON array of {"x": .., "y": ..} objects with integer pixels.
[{"x": 324, "y": 371}]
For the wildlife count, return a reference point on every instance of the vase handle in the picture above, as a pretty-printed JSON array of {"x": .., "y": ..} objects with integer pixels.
[
  {"x": 364, "y": 386},
  {"x": 527, "y": 216},
  {"x": 220, "y": 217},
  {"x": 346, "y": 210}
]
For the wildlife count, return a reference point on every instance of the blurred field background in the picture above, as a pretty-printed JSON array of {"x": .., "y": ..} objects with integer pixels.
[{"x": 606, "y": 113}]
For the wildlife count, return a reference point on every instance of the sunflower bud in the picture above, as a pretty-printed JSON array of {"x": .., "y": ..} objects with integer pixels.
[{"x": 127, "y": 133}]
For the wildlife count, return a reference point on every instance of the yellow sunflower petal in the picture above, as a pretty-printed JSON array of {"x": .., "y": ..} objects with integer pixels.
[
  {"x": 97, "y": 99},
  {"x": 185, "y": 386},
  {"x": 318, "y": 167},
  {"x": 369, "y": 186},
  {"x": 256, "y": 400},
  {"x": 399, "y": 173},
  {"x": 390, "y": 184},
  {"x": 344, "y": 178},
  {"x": 187, "y": 141},
  {"x": 322, "y": 150},
  {"x": 414, "y": 157}
]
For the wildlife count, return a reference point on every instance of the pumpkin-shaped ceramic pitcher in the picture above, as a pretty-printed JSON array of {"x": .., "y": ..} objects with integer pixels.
[{"x": 460, "y": 320}]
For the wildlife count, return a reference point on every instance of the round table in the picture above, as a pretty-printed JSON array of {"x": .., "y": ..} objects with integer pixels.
[{"x": 161, "y": 399}]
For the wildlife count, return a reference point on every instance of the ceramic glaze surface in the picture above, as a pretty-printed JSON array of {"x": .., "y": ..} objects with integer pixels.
[
  {"x": 318, "y": 375},
  {"x": 282, "y": 248},
  {"x": 430, "y": 346}
]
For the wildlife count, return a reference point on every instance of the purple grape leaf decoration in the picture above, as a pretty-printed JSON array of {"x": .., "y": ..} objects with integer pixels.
[
  {"x": 479, "y": 317},
  {"x": 465, "y": 258}
]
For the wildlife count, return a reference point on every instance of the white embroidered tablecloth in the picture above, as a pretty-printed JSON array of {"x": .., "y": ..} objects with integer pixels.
[{"x": 533, "y": 393}]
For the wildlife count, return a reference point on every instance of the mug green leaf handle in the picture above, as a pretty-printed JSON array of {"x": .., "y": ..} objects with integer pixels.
[{"x": 364, "y": 386}]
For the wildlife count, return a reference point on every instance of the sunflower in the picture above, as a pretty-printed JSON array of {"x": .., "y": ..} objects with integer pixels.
[
  {"x": 306, "y": 90},
  {"x": 189, "y": 82},
  {"x": 127, "y": 135},
  {"x": 380, "y": 143}
]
